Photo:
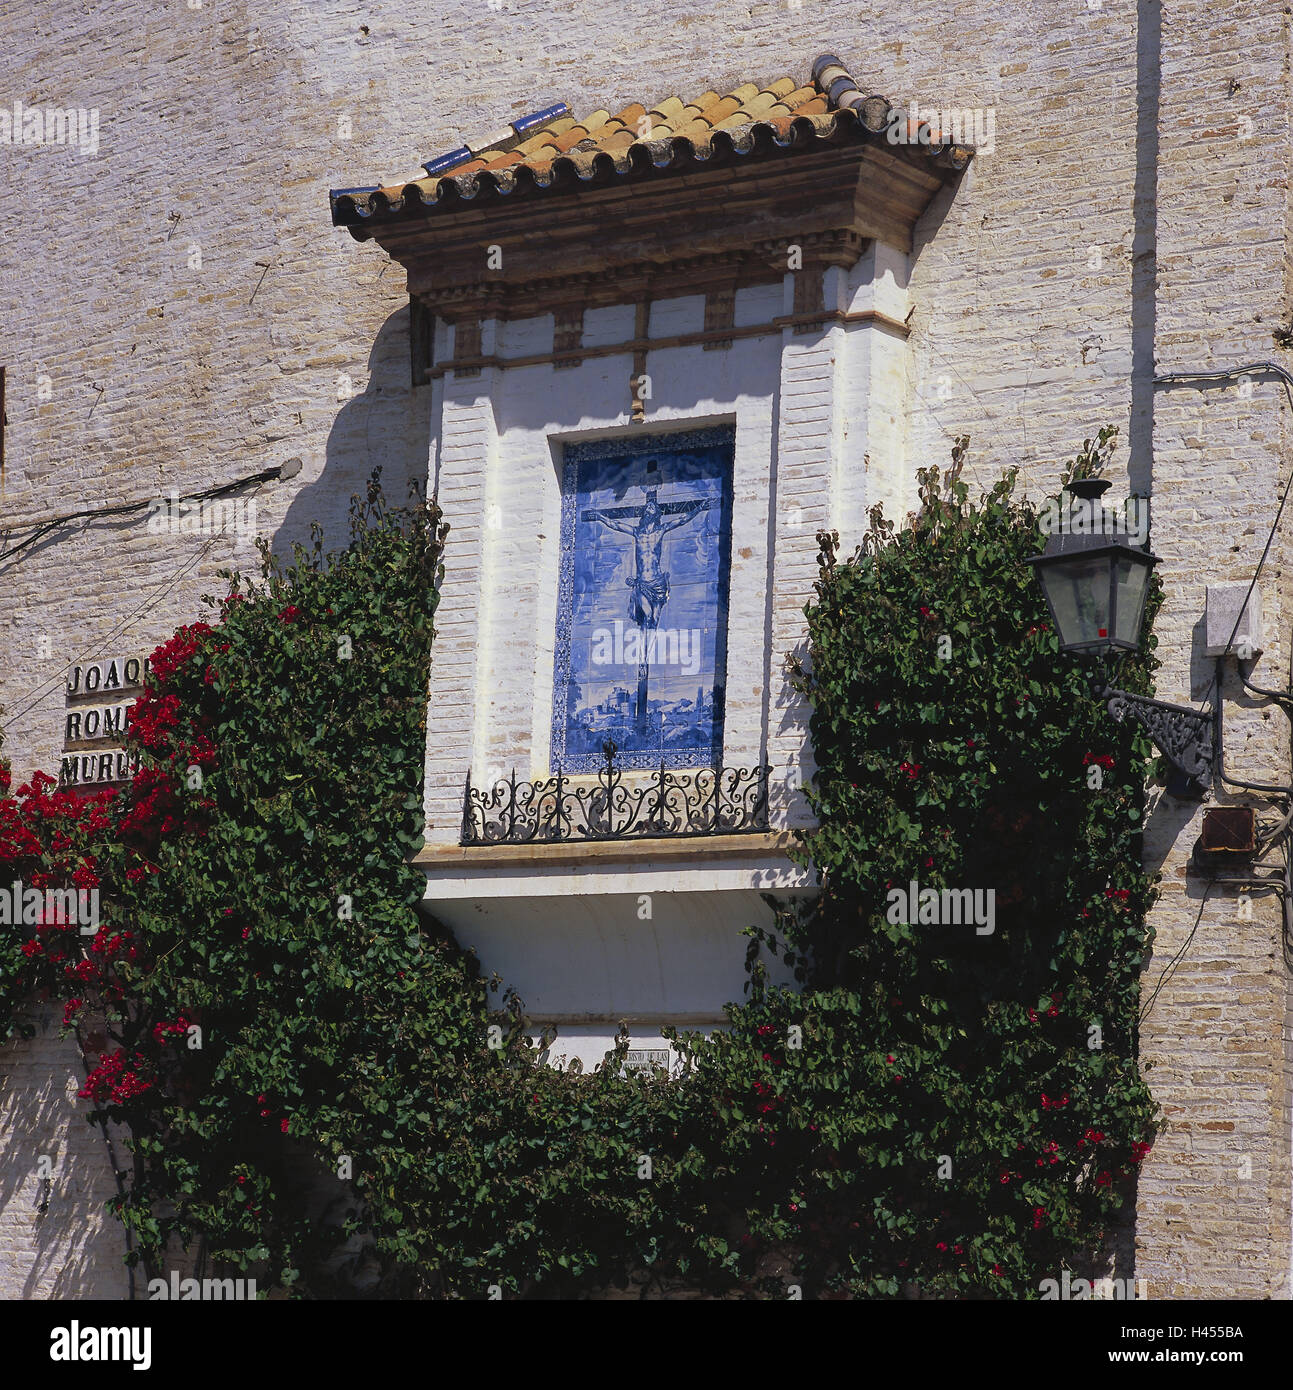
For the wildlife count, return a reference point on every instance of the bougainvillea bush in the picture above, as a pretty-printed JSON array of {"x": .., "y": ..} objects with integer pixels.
[{"x": 936, "y": 1110}]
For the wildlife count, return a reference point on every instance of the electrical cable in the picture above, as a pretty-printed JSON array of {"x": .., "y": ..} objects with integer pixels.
[
  {"x": 1226, "y": 374},
  {"x": 166, "y": 585},
  {"x": 1149, "y": 1003},
  {"x": 42, "y": 528}
]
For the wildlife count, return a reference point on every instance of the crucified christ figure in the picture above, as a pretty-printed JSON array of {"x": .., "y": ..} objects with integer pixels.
[{"x": 649, "y": 584}]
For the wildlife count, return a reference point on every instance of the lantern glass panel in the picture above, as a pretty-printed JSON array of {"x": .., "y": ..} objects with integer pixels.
[
  {"x": 1131, "y": 577},
  {"x": 1079, "y": 593}
]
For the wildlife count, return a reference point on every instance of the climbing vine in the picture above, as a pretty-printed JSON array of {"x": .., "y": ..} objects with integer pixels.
[{"x": 321, "y": 1088}]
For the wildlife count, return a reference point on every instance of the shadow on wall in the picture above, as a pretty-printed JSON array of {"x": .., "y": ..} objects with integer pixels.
[
  {"x": 388, "y": 424},
  {"x": 74, "y": 1248}
]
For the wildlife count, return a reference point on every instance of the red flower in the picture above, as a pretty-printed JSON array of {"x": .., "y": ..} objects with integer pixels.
[
  {"x": 283, "y": 1127},
  {"x": 85, "y": 877},
  {"x": 289, "y": 614}
]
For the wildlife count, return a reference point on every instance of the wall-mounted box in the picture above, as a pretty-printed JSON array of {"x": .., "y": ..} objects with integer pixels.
[{"x": 1224, "y": 602}]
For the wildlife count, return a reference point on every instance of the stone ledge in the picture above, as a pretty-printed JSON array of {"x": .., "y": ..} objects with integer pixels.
[{"x": 772, "y": 843}]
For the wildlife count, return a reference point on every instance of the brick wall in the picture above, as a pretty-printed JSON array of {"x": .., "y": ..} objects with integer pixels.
[{"x": 1132, "y": 213}]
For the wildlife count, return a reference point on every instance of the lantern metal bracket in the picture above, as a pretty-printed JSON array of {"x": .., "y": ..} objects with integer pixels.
[{"x": 1182, "y": 734}]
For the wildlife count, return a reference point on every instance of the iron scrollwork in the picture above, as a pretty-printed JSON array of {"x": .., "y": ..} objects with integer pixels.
[
  {"x": 1183, "y": 735},
  {"x": 700, "y": 801}
]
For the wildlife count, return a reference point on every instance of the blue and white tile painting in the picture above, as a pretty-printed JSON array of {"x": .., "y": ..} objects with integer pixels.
[{"x": 642, "y": 604}]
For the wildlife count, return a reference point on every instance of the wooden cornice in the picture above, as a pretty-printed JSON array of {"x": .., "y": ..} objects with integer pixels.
[{"x": 705, "y": 228}]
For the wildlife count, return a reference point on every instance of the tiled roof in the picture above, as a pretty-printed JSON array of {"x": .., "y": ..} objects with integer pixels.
[{"x": 634, "y": 142}]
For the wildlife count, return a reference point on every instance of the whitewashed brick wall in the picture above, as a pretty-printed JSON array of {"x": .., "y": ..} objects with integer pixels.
[{"x": 1034, "y": 293}]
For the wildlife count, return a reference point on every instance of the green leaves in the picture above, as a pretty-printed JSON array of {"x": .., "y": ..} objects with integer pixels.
[{"x": 355, "y": 1042}]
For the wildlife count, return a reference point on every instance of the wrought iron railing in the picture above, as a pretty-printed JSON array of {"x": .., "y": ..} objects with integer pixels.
[{"x": 691, "y": 802}]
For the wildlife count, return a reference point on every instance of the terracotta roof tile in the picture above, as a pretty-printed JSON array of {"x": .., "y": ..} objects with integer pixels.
[
  {"x": 799, "y": 95},
  {"x": 504, "y": 161},
  {"x": 677, "y": 131},
  {"x": 697, "y": 107},
  {"x": 668, "y": 110},
  {"x": 546, "y": 136},
  {"x": 631, "y": 114}
]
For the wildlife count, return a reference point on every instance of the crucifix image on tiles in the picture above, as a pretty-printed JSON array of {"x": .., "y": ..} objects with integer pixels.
[{"x": 642, "y": 606}]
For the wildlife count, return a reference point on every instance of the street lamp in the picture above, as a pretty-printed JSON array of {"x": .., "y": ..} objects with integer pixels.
[{"x": 1096, "y": 583}]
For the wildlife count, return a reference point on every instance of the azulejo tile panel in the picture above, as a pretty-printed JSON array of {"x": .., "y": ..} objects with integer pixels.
[{"x": 641, "y": 650}]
